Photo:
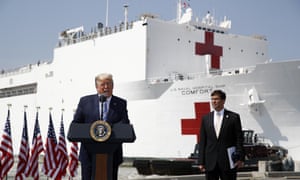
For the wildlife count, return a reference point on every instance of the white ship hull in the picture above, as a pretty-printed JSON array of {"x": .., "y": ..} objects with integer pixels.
[
  {"x": 274, "y": 118},
  {"x": 156, "y": 69}
]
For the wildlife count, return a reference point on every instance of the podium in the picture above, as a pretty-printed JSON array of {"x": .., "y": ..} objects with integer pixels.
[{"x": 102, "y": 151}]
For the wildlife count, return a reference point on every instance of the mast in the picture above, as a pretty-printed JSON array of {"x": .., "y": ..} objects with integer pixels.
[
  {"x": 126, "y": 16},
  {"x": 106, "y": 20},
  {"x": 179, "y": 11}
]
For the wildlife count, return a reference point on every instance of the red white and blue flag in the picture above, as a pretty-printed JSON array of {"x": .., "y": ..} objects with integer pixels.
[
  {"x": 61, "y": 155},
  {"x": 50, "y": 161},
  {"x": 186, "y": 5},
  {"x": 73, "y": 165},
  {"x": 24, "y": 152},
  {"x": 32, "y": 169},
  {"x": 6, "y": 149}
]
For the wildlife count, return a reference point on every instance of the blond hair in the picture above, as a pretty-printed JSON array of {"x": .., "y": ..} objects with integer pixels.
[{"x": 103, "y": 76}]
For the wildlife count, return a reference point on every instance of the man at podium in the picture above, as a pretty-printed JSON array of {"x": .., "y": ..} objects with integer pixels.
[{"x": 101, "y": 106}]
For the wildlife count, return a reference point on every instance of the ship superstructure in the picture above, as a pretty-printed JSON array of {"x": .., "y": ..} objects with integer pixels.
[{"x": 166, "y": 70}]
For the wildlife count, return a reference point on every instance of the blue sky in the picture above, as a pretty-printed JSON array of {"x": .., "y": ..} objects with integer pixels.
[{"x": 29, "y": 29}]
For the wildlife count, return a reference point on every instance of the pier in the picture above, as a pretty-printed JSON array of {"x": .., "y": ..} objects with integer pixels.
[{"x": 128, "y": 172}]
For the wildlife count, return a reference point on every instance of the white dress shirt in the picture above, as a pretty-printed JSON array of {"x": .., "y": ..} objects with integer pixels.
[{"x": 218, "y": 119}]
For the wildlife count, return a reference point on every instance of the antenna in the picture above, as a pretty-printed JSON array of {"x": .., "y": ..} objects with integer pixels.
[
  {"x": 179, "y": 11},
  {"x": 106, "y": 20},
  {"x": 126, "y": 16}
]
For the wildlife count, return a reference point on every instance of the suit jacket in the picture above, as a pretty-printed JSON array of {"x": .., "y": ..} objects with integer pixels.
[
  {"x": 88, "y": 112},
  {"x": 213, "y": 150}
]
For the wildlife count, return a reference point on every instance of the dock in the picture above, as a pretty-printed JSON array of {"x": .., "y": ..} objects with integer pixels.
[
  {"x": 128, "y": 172},
  {"x": 132, "y": 174}
]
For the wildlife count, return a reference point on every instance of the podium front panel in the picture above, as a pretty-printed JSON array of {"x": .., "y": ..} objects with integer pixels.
[{"x": 80, "y": 132}]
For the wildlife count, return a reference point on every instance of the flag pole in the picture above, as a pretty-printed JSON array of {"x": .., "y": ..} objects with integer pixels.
[
  {"x": 50, "y": 110},
  {"x": 62, "y": 113}
]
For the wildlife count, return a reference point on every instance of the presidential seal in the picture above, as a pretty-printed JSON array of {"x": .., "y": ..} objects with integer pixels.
[{"x": 100, "y": 131}]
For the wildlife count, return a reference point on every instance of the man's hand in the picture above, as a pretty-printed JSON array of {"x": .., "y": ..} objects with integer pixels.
[
  {"x": 202, "y": 168},
  {"x": 239, "y": 164}
]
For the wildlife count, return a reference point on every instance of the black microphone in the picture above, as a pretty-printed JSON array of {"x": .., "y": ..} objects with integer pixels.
[{"x": 102, "y": 99}]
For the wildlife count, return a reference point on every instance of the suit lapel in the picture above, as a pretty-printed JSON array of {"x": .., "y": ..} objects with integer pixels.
[
  {"x": 112, "y": 106},
  {"x": 211, "y": 123},
  {"x": 96, "y": 105},
  {"x": 224, "y": 122}
]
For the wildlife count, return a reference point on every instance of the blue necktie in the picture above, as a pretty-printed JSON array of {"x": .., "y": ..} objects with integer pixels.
[{"x": 105, "y": 110}]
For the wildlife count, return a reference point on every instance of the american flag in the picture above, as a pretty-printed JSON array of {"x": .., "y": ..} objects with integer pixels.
[
  {"x": 62, "y": 154},
  {"x": 24, "y": 152},
  {"x": 186, "y": 5},
  {"x": 7, "y": 158},
  {"x": 50, "y": 162},
  {"x": 32, "y": 169},
  {"x": 73, "y": 165}
]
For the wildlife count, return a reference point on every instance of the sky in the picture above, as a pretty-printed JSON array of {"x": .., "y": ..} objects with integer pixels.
[{"x": 29, "y": 29}]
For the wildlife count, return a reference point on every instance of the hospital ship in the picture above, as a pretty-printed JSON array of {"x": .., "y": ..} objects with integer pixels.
[{"x": 166, "y": 71}]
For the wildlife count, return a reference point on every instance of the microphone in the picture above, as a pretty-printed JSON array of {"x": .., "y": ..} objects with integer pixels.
[{"x": 102, "y": 99}]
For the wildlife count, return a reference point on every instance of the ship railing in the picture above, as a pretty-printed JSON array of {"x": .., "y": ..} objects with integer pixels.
[
  {"x": 192, "y": 76},
  {"x": 98, "y": 31},
  {"x": 222, "y": 72},
  {"x": 21, "y": 70}
]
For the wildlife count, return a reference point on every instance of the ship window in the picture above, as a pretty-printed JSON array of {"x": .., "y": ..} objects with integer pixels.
[
  {"x": 49, "y": 74},
  {"x": 18, "y": 90}
]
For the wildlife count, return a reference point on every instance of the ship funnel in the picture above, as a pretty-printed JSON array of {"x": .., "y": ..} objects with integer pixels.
[{"x": 126, "y": 16}]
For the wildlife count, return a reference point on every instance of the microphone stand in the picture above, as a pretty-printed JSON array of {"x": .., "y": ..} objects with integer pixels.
[{"x": 102, "y": 99}]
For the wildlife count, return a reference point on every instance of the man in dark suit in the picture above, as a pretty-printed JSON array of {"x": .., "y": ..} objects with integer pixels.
[
  {"x": 221, "y": 129},
  {"x": 90, "y": 109}
]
